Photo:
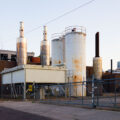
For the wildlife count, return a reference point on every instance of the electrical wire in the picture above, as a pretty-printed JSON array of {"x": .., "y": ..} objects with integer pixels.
[
  {"x": 66, "y": 13},
  {"x": 33, "y": 29},
  {"x": 73, "y": 10}
]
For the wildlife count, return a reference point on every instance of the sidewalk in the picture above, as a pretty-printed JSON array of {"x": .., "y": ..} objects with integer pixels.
[{"x": 61, "y": 112}]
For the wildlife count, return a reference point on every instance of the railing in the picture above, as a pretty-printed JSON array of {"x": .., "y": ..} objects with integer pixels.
[
  {"x": 75, "y": 29},
  {"x": 68, "y": 30}
]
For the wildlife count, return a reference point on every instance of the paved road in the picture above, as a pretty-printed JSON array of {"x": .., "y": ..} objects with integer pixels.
[
  {"x": 10, "y": 114},
  {"x": 60, "y": 112}
]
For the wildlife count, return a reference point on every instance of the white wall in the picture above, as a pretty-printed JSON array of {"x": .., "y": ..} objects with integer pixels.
[
  {"x": 14, "y": 77},
  {"x": 45, "y": 76},
  {"x": 34, "y": 75},
  {"x": 6, "y": 78},
  {"x": 19, "y": 76}
]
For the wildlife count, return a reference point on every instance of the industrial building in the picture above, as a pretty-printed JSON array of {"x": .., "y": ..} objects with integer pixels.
[
  {"x": 18, "y": 79},
  {"x": 66, "y": 66},
  {"x": 36, "y": 71},
  {"x": 9, "y": 55},
  {"x": 8, "y": 59},
  {"x": 112, "y": 81}
]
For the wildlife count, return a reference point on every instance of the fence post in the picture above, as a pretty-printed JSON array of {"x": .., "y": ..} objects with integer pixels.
[
  {"x": 24, "y": 90},
  {"x": 82, "y": 92},
  {"x": 98, "y": 85},
  {"x": 34, "y": 89},
  {"x": 65, "y": 85},
  {"x": 115, "y": 92},
  {"x": 93, "y": 89},
  {"x": 70, "y": 90},
  {"x": 2, "y": 91}
]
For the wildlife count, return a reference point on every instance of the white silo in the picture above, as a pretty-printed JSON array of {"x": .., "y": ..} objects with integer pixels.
[
  {"x": 118, "y": 65},
  {"x": 75, "y": 57},
  {"x": 21, "y": 47},
  {"x": 58, "y": 50}
]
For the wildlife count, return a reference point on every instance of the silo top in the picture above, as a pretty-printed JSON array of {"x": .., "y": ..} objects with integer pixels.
[{"x": 75, "y": 29}]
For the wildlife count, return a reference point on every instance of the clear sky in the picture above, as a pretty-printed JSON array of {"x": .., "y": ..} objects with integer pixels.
[{"x": 101, "y": 15}]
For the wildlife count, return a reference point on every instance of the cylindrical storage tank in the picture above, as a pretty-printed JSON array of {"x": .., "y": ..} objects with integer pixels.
[
  {"x": 75, "y": 57},
  {"x": 97, "y": 68},
  {"x": 58, "y": 51},
  {"x": 45, "y": 53}
]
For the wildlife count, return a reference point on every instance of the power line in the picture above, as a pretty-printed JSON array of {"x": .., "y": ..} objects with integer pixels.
[
  {"x": 58, "y": 17},
  {"x": 73, "y": 10},
  {"x": 33, "y": 29}
]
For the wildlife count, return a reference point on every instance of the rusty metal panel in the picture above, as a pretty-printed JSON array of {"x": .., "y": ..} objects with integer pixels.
[
  {"x": 75, "y": 56},
  {"x": 58, "y": 51},
  {"x": 35, "y": 59}
]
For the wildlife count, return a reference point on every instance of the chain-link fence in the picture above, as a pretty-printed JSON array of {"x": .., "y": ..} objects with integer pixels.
[{"x": 93, "y": 93}]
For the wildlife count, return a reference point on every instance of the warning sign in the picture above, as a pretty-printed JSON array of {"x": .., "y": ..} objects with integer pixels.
[{"x": 30, "y": 88}]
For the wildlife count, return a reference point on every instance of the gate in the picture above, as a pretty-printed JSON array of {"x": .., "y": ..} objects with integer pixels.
[{"x": 99, "y": 93}]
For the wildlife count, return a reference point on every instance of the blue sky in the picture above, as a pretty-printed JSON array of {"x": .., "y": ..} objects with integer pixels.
[{"x": 101, "y": 15}]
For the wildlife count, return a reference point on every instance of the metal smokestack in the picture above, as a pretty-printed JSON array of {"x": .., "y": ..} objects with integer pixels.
[
  {"x": 21, "y": 47},
  {"x": 45, "y": 34},
  {"x": 97, "y": 45},
  {"x": 97, "y": 60},
  {"x": 21, "y": 29},
  {"x": 45, "y": 49}
]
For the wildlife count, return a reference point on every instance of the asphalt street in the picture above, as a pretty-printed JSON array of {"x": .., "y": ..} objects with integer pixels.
[{"x": 10, "y": 114}]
